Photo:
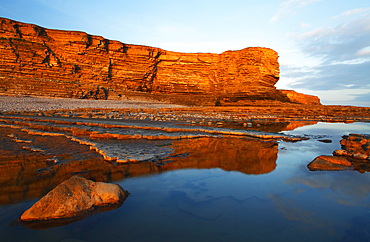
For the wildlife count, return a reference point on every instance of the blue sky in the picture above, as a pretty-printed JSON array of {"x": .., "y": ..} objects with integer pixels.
[{"x": 324, "y": 45}]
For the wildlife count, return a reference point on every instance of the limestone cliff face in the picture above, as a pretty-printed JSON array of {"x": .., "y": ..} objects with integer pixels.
[
  {"x": 296, "y": 97},
  {"x": 46, "y": 62}
]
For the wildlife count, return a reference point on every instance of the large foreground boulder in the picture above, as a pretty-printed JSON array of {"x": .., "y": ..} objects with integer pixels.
[{"x": 75, "y": 199}]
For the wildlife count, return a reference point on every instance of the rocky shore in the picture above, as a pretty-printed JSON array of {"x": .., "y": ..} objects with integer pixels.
[
  {"x": 48, "y": 140},
  {"x": 255, "y": 112},
  {"x": 28, "y": 103},
  {"x": 353, "y": 155}
]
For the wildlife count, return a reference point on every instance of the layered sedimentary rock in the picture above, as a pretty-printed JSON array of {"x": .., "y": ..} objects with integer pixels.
[
  {"x": 56, "y": 63},
  {"x": 296, "y": 97}
]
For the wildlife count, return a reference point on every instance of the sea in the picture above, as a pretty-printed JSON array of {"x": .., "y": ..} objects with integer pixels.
[{"x": 203, "y": 188}]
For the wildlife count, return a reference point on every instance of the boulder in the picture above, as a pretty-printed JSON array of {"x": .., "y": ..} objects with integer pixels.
[
  {"x": 75, "y": 199},
  {"x": 328, "y": 163}
]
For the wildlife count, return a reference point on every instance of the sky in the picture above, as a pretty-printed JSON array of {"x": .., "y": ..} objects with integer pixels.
[{"x": 323, "y": 45}]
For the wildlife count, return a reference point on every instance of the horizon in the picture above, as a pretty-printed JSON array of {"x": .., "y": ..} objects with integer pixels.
[{"x": 323, "y": 45}]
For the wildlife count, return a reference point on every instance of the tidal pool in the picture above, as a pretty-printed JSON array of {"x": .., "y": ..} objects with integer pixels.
[{"x": 220, "y": 189}]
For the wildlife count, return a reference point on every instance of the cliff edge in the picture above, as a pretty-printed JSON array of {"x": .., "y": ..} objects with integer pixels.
[{"x": 71, "y": 64}]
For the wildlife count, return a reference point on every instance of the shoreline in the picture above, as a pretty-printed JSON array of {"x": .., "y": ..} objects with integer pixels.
[
  {"x": 144, "y": 109},
  {"x": 36, "y": 103}
]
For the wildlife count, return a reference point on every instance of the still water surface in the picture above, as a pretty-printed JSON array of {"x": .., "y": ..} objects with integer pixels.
[{"x": 285, "y": 203}]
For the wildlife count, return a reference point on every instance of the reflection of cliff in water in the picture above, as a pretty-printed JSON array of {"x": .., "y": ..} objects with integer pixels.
[
  {"x": 248, "y": 156},
  {"x": 30, "y": 170},
  {"x": 264, "y": 125}
]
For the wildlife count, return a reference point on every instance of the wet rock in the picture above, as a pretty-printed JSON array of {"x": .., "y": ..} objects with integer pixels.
[
  {"x": 74, "y": 199},
  {"x": 354, "y": 153},
  {"x": 328, "y": 163},
  {"x": 325, "y": 140},
  {"x": 360, "y": 156},
  {"x": 340, "y": 153},
  {"x": 355, "y": 145}
]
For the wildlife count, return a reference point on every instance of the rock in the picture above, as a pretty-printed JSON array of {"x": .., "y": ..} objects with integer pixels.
[
  {"x": 74, "y": 199},
  {"x": 328, "y": 163},
  {"x": 340, "y": 153},
  {"x": 356, "y": 135},
  {"x": 296, "y": 97},
  {"x": 57, "y": 63},
  {"x": 354, "y": 153},
  {"x": 325, "y": 140},
  {"x": 356, "y": 145},
  {"x": 360, "y": 156}
]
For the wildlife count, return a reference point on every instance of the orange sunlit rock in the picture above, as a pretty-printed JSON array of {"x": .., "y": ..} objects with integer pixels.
[
  {"x": 328, "y": 163},
  {"x": 296, "y": 97},
  {"x": 56, "y": 63},
  {"x": 73, "y": 199},
  {"x": 354, "y": 153}
]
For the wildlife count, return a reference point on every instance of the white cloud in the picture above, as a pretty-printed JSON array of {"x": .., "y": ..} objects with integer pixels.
[
  {"x": 328, "y": 77},
  {"x": 349, "y": 39},
  {"x": 290, "y": 8},
  {"x": 355, "y": 11},
  {"x": 364, "y": 52},
  {"x": 352, "y": 12},
  {"x": 304, "y": 26},
  {"x": 346, "y": 95}
]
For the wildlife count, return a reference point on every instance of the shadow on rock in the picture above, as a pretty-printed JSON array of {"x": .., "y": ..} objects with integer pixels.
[{"x": 52, "y": 223}]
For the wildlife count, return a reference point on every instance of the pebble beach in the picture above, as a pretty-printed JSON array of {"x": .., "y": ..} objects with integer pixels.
[{"x": 27, "y": 103}]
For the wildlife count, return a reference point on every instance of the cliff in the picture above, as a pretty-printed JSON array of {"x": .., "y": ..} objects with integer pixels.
[
  {"x": 296, "y": 97},
  {"x": 72, "y": 64}
]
